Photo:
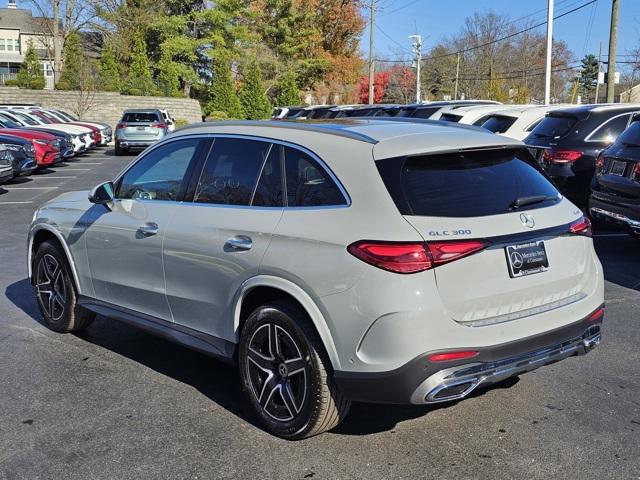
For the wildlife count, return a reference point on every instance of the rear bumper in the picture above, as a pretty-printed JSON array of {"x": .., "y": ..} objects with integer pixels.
[
  {"x": 135, "y": 143},
  {"x": 422, "y": 382},
  {"x": 625, "y": 215}
]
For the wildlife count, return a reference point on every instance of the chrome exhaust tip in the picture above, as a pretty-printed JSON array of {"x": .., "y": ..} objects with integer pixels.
[{"x": 457, "y": 382}]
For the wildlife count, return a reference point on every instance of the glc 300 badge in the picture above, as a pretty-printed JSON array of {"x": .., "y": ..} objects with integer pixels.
[{"x": 527, "y": 220}]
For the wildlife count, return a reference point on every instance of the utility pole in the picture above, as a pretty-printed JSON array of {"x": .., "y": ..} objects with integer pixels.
[
  {"x": 613, "y": 43},
  {"x": 547, "y": 73},
  {"x": 372, "y": 65},
  {"x": 455, "y": 88},
  {"x": 598, "y": 79},
  {"x": 417, "y": 52}
]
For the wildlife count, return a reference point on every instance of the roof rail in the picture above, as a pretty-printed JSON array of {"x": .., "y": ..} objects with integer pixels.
[{"x": 329, "y": 126}]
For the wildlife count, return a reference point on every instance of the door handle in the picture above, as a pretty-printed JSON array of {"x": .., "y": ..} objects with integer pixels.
[
  {"x": 148, "y": 229},
  {"x": 239, "y": 242}
]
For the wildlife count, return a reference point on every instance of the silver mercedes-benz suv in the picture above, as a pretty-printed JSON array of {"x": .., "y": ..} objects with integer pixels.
[{"x": 370, "y": 260}]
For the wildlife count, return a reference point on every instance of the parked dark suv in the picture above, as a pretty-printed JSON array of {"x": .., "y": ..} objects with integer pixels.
[
  {"x": 569, "y": 141},
  {"x": 615, "y": 195}
]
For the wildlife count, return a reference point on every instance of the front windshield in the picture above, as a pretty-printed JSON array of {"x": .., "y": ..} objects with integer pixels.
[{"x": 26, "y": 119}]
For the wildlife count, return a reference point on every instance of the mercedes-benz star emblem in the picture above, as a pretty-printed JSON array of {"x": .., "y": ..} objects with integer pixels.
[
  {"x": 516, "y": 260},
  {"x": 527, "y": 220}
]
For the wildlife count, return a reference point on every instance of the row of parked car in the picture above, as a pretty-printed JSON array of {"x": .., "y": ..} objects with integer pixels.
[
  {"x": 32, "y": 137},
  {"x": 591, "y": 152}
]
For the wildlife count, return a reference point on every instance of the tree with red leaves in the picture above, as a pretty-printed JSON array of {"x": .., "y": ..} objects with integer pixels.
[{"x": 380, "y": 82}]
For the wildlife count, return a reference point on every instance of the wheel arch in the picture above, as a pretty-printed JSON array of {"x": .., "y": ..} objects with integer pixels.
[
  {"x": 37, "y": 237},
  {"x": 259, "y": 289}
]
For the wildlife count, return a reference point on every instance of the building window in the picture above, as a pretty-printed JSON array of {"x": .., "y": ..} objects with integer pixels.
[
  {"x": 2, "y": 45},
  {"x": 17, "y": 44},
  {"x": 46, "y": 69}
]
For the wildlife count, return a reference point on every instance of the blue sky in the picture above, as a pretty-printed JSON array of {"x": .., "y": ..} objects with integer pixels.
[{"x": 435, "y": 19}]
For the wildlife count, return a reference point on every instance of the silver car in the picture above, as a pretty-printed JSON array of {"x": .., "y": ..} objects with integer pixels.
[
  {"x": 370, "y": 260},
  {"x": 139, "y": 129}
]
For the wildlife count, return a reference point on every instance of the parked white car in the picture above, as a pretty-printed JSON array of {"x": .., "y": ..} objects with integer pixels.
[
  {"x": 169, "y": 120},
  {"x": 475, "y": 114},
  {"x": 518, "y": 122}
]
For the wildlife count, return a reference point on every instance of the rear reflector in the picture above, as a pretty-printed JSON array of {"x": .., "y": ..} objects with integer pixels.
[
  {"x": 448, "y": 356},
  {"x": 581, "y": 227},
  {"x": 597, "y": 315},
  {"x": 562, "y": 156},
  {"x": 401, "y": 257}
]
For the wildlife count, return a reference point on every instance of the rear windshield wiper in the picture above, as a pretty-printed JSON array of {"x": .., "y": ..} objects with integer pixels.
[{"x": 530, "y": 200}]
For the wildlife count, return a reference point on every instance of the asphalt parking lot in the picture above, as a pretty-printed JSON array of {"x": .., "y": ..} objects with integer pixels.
[{"x": 113, "y": 402}]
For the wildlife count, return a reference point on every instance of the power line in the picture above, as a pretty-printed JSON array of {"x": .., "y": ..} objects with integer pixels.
[
  {"x": 516, "y": 77},
  {"x": 506, "y": 37},
  {"x": 403, "y": 47},
  {"x": 402, "y": 7}
]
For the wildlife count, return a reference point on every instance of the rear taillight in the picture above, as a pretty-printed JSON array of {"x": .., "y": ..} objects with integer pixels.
[
  {"x": 159, "y": 125},
  {"x": 121, "y": 125},
  {"x": 581, "y": 227},
  {"x": 561, "y": 156},
  {"x": 596, "y": 315},
  {"x": 448, "y": 356},
  {"x": 394, "y": 257},
  {"x": 600, "y": 163},
  {"x": 401, "y": 257}
]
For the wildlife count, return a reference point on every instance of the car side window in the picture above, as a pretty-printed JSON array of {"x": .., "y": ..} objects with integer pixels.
[
  {"x": 230, "y": 173},
  {"x": 610, "y": 130},
  {"x": 269, "y": 189},
  {"x": 308, "y": 184},
  {"x": 533, "y": 125},
  {"x": 160, "y": 174}
]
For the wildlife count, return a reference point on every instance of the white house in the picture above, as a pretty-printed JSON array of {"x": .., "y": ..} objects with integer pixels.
[{"x": 18, "y": 26}]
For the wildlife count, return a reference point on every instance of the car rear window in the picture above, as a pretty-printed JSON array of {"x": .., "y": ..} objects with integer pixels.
[
  {"x": 554, "y": 126},
  {"x": 450, "y": 117},
  {"x": 423, "y": 112},
  {"x": 465, "y": 184},
  {"x": 142, "y": 117},
  {"x": 498, "y": 123}
]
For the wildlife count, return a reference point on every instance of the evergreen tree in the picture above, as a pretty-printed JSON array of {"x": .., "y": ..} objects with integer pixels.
[
  {"x": 222, "y": 95},
  {"x": 109, "y": 73},
  {"x": 139, "y": 80},
  {"x": 252, "y": 95},
  {"x": 73, "y": 60},
  {"x": 288, "y": 93},
  {"x": 588, "y": 76},
  {"x": 30, "y": 74}
]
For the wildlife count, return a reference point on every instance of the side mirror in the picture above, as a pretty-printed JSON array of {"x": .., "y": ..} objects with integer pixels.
[{"x": 102, "y": 193}]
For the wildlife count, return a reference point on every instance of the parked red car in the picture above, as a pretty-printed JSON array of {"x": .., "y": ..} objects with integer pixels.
[
  {"x": 95, "y": 131},
  {"x": 47, "y": 146}
]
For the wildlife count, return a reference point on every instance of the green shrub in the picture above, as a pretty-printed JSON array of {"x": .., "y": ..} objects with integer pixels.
[
  {"x": 181, "y": 122},
  {"x": 216, "y": 115},
  {"x": 11, "y": 83}
]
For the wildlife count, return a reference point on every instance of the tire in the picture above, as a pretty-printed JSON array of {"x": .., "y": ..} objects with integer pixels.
[
  {"x": 55, "y": 291},
  {"x": 289, "y": 387},
  {"x": 119, "y": 151}
]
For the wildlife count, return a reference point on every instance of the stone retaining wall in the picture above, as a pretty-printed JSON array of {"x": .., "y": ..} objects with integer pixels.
[{"x": 104, "y": 107}]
